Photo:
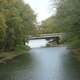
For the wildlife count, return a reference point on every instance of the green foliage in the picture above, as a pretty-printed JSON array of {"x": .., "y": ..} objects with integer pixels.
[
  {"x": 16, "y": 22},
  {"x": 21, "y": 48},
  {"x": 50, "y": 26},
  {"x": 68, "y": 18}
]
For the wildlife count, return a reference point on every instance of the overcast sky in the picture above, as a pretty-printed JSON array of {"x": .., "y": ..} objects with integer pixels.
[{"x": 41, "y": 7}]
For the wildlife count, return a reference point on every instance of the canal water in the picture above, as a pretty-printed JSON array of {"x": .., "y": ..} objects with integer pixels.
[{"x": 51, "y": 63}]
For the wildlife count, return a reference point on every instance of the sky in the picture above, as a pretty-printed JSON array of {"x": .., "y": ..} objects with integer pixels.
[{"x": 41, "y": 8}]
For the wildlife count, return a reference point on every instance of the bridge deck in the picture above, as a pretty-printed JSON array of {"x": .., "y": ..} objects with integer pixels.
[{"x": 43, "y": 37}]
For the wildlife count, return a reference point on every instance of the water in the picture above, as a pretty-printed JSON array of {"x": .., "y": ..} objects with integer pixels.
[
  {"x": 37, "y": 43},
  {"x": 54, "y": 63}
]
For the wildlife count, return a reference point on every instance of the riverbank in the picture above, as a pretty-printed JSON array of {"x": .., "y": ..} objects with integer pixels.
[
  {"x": 76, "y": 53},
  {"x": 9, "y": 56}
]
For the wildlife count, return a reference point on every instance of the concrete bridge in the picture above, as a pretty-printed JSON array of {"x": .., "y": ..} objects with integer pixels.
[
  {"x": 50, "y": 37},
  {"x": 43, "y": 37}
]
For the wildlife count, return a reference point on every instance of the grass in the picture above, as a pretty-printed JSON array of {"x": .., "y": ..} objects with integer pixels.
[
  {"x": 76, "y": 53},
  {"x": 10, "y": 55}
]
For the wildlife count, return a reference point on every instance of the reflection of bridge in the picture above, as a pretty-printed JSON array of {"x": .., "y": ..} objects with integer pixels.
[{"x": 50, "y": 37}]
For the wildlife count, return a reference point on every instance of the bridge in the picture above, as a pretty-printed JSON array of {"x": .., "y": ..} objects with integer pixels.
[
  {"x": 50, "y": 37},
  {"x": 43, "y": 37}
]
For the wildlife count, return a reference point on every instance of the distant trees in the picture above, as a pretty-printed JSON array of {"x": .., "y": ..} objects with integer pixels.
[
  {"x": 16, "y": 22},
  {"x": 68, "y": 18},
  {"x": 50, "y": 26}
]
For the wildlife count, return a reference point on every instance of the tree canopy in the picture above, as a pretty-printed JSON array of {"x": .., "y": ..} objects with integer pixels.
[
  {"x": 16, "y": 22},
  {"x": 50, "y": 26},
  {"x": 68, "y": 18}
]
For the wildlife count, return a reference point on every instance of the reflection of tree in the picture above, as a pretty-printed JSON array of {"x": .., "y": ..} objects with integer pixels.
[
  {"x": 16, "y": 69},
  {"x": 70, "y": 67}
]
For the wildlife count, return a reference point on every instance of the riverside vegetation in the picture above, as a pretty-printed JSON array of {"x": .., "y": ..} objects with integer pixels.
[
  {"x": 66, "y": 20},
  {"x": 16, "y": 23}
]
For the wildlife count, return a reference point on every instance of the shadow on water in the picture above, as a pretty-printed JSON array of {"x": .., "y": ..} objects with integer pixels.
[
  {"x": 70, "y": 67},
  {"x": 55, "y": 63},
  {"x": 20, "y": 65}
]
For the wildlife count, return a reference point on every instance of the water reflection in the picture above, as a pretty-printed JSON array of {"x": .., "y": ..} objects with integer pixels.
[
  {"x": 17, "y": 70},
  {"x": 54, "y": 63},
  {"x": 37, "y": 43},
  {"x": 71, "y": 67}
]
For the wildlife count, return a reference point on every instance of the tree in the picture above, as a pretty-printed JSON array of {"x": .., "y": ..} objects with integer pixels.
[
  {"x": 16, "y": 22},
  {"x": 68, "y": 17},
  {"x": 50, "y": 26}
]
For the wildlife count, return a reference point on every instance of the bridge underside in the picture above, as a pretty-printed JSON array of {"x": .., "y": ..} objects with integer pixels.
[
  {"x": 47, "y": 38},
  {"x": 50, "y": 38}
]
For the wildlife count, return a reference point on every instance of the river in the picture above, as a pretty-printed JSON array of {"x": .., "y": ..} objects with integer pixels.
[{"x": 51, "y": 63}]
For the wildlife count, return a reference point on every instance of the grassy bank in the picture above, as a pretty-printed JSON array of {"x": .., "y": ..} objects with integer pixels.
[
  {"x": 6, "y": 57},
  {"x": 76, "y": 53}
]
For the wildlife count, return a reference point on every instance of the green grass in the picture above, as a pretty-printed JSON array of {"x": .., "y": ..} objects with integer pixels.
[{"x": 9, "y": 55}]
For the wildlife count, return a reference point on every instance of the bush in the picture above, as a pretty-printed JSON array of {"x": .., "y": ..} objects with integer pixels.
[{"x": 21, "y": 48}]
